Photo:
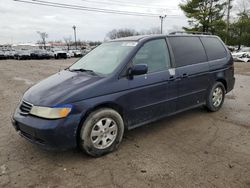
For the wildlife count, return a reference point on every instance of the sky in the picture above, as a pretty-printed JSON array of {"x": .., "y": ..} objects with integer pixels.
[{"x": 19, "y": 22}]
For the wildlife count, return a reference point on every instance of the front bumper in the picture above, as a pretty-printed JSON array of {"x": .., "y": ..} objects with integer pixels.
[{"x": 60, "y": 134}]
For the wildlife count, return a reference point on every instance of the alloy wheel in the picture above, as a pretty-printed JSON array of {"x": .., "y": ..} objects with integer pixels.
[{"x": 104, "y": 133}]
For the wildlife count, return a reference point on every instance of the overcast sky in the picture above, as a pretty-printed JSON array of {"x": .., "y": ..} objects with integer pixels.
[{"x": 20, "y": 21}]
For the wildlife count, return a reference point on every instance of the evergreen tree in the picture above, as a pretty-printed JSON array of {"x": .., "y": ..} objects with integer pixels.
[
  {"x": 240, "y": 30},
  {"x": 205, "y": 15}
]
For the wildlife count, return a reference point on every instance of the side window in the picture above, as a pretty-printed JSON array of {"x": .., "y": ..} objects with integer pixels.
[
  {"x": 187, "y": 50},
  {"x": 155, "y": 54},
  {"x": 214, "y": 48}
]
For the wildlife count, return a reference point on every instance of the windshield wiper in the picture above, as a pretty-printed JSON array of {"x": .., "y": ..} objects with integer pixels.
[{"x": 83, "y": 70}]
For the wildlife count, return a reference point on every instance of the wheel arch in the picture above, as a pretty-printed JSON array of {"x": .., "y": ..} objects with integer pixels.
[{"x": 223, "y": 81}]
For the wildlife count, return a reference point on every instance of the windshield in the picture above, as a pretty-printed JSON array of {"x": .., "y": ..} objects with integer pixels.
[{"x": 105, "y": 58}]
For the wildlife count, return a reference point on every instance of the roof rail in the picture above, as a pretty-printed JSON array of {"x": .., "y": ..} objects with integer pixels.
[{"x": 190, "y": 33}]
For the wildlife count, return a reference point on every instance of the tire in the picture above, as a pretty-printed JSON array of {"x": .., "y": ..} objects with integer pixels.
[
  {"x": 101, "y": 132},
  {"x": 215, "y": 98}
]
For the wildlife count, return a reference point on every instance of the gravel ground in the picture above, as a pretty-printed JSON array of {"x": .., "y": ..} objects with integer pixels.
[{"x": 191, "y": 149}]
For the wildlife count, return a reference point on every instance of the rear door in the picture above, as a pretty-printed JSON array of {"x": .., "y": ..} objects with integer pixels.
[
  {"x": 220, "y": 61},
  {"x": 192, "y": 69},
  {"x": 154, "y": 94}
]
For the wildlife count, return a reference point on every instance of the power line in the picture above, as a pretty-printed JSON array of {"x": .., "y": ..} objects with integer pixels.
[
  {"x": 98, "y": 9},
  {"x": 89, "y": 9},
  {"x": 84, "y": 8},
  {"x": 123, "y": 4},
  {"x": 138, "y": 4}
]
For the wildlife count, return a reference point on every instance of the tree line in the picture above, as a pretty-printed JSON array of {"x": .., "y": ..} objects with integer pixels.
[
  {"x": 66, "y": 40},
  {"x": 119, "y": 33}
]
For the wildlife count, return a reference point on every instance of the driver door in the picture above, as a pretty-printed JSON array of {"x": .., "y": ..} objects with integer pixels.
[{"x": 153, "y": 95}]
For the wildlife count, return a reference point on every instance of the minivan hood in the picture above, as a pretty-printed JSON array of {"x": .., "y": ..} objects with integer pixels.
[{"x": 60, "y": 88}]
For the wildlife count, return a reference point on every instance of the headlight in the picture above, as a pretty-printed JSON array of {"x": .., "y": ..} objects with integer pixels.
[{"x": 51, "y": 113}]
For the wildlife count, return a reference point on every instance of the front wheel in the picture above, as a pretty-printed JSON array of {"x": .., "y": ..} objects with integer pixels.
[
  {"x": 102, "y": 132},
  {"x": 215, "y": 98}
]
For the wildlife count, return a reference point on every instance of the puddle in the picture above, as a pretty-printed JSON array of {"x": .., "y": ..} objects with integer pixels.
[{"x": 26, "y": 81}]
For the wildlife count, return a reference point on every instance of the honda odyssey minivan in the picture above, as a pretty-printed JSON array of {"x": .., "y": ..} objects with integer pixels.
[{"x": 123, "y": 84}]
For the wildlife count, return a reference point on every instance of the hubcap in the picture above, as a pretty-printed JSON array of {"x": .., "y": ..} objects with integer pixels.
[
  {"x": 217, "y": 96},
  {"x": 104, "y": 133}
]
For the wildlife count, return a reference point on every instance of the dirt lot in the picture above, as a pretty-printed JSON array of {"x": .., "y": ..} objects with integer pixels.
[{"x": 192, "y": 149}]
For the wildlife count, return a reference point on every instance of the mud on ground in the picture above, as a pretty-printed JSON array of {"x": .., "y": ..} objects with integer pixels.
[{"x": 191, "y": 149}]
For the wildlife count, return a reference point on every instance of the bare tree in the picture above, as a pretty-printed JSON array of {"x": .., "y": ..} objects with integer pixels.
[
  {"x": 175, "y": 28},
  {"x": 114, "y": 34},
  {"x": 43, "y": 36},
  {"x": 243, "y": 6},
  {"x": 68, "y": 41},
  {"x": 153, "y": 30},
  {"x": 119, "y": 33}
]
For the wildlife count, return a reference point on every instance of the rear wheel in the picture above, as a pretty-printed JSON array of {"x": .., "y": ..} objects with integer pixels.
[
  {"x": 102, "y": 132},
  {"x": 216, "y": 97}
]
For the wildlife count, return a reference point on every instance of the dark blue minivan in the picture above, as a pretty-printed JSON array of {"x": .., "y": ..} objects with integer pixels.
[{"x": 123, "y": 84}]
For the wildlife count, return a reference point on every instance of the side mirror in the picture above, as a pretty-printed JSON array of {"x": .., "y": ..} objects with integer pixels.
[{"x": 138, "y": 69}]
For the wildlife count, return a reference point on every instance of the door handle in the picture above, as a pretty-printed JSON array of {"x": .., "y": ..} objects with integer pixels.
[{"x": 185, "y": 75}]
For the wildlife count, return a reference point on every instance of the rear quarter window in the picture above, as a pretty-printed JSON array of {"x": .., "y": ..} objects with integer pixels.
[
  {"x": 214, "y": 48},
  {"x": 187, "y": 50}
]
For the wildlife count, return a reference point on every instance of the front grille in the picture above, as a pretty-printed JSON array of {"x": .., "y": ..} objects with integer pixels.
[{"x": 25, "y": 108}]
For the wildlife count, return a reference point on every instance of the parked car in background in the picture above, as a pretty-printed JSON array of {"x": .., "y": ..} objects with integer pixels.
[
  {"x": 22, "y": 55},
  {"x": 9, "y": 54},
  {"x": 51, "y": 54},
  {"x": 244, "y": 49},
  {"x": 70, "y": 54},
  {"x": 77, "y": 53},
  {"x": 2, "y": 55},
  {"x": 60, "y": 54},
  {"x": 40, "y": 54},
  {"x": 86, "y": 51},
  {"x": 241, "y": 56}
]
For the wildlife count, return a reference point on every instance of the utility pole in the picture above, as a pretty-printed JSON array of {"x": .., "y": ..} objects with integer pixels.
[
  {"x": 74, "y": 27},
  {"x": 228, "y": 20},
  {"x": 162, "y": 18}
]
